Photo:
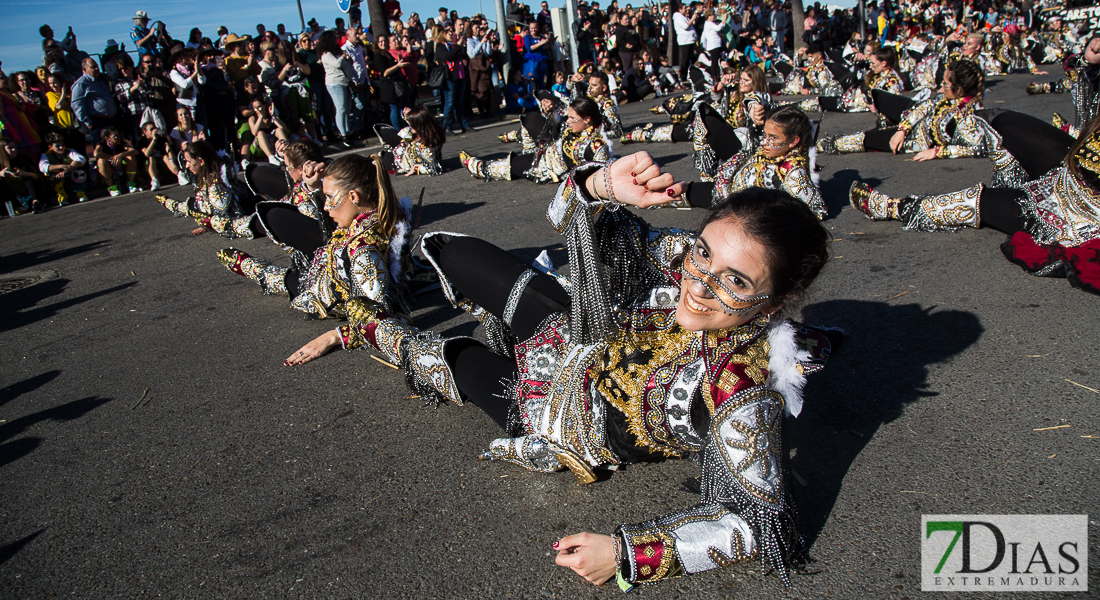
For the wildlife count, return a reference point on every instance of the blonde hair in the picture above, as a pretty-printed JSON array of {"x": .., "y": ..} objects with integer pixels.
[{"x": 370, "y": 178}]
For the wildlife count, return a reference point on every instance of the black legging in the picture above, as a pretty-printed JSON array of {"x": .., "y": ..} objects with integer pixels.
[
  {"x": 879, "y": 139},
  {"x": 520, "y": 163},
  {"x": 486, "y": 274},
  {"x": 829, "y": 103},
  {"x": 533, "y": 122},
  {"x": 890, "y": 105},
  {"x": 290, "y": 227},
  {"x": 999, "y": 208},
  {"x": 680, "y": 133},
  {"x": 720, "y": 136},
  {"x": 388, "y": 135}
]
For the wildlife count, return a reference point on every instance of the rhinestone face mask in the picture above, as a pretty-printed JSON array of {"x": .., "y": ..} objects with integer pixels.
[
  {"x": 331, "y": 202},
  {"x": 732, "y": 302}
]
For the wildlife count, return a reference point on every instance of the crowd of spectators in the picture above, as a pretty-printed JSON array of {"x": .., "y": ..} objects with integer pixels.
[{"x": 243, "y": 93}]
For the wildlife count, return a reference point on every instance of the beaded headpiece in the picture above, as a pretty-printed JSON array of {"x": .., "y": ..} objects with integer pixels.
[{"x": 1088, "y": 156}]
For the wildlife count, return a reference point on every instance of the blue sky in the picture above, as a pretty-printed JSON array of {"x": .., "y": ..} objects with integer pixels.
[{"x": 99, "y": 20}]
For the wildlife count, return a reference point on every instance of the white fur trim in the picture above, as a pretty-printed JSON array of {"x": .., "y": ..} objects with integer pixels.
[
  {"x": 543, "y": 262},
  {"x": 607, "y": 140},
  {"x": 401, "y": 233},
  {"x": 784, "y": 375},
  {"x": 814, "y": 176}
]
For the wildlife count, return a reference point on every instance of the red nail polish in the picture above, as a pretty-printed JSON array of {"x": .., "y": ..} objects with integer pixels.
[
  {"x": 555, "y": 544},
  {"x": 633, "y": 174},
  {"x": 635, "y": 181},
  {"x": 670, "y": 192}
]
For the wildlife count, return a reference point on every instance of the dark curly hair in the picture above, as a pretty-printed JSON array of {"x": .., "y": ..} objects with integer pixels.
[{"x": 795, "y": 243}]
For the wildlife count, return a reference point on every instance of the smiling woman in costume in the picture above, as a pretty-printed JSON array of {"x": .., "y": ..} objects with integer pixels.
[
  {"x": 777, "y": 159},
  {"x": 694, "y": 360}
]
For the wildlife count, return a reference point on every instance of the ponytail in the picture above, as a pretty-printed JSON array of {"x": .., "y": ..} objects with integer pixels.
[
  {"x": 369, "y": 177},
  {"x": 388, "y": 208}
]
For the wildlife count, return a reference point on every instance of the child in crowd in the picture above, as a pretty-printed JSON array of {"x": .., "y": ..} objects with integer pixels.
[
  {"x": 559, "y": 88},
  {"x": 158, "y": 149},
  {"x": 17, "y": 180},
  {"x": 259, "y": 134},
  {"x": 186, "y": 130},
  {"x": 118, "y": 162},
  {"x": 64, "y": 169},
  {"x": 518, "y": 95}
]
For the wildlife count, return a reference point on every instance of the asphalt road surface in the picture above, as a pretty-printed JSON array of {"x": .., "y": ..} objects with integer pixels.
[{"x": 152, "y": 443}]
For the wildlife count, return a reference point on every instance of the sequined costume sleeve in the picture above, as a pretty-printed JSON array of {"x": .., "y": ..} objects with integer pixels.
[
  {"x": 352, "y": 264},
  {"x": 913, "y": 116},
  {"x": 746, "y": 509},
  {"x": 302, "y": 199},
  {"x": 798, "y": 183},
  {"x": 612, "y": 124},
  {"x": 214, "y": 206},
  {"x": 361, "y": 328},
  {"x": 970, "y": 139},
  {"x": 743, "y": 501},
  {"x": 822, "y": 81}
]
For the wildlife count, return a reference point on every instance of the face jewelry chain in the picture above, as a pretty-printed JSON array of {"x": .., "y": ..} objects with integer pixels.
[
  {"x": 331, "y": 202},
  {"x": 732, "y": 302}
]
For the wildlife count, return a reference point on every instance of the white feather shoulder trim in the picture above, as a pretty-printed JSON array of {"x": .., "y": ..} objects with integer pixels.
[{"x": 784, "y": 374}]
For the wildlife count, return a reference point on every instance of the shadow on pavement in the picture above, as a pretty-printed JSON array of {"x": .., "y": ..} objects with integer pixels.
[
  {"x": 13, "y": 303},
  {"x": 437, "y": 211},
  {"x": 24, "y": 260},
  {"x": 62, "y": 412},
  {"x": 9, "y": 550},
  {"x": 879, "y": 368},
  {"x": 30, "y": 384},
  {"x": 834, "y": 190},
  {"x": 666, "y": 160},
  {"x": 14, "y": 450}
]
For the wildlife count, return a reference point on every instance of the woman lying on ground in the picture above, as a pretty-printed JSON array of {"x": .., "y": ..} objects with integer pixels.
[
  {"x": 816, "y": 78},
  {"x": 1082, "y": 75},
  {"x": 1054, "y": 220},
  {"x": 363, "y": 259},
  {"x": 581, "y": 139},
  {"x": 779, "y": 159},
  {"x": 740, "y": 96},
  {"x": 695, "y": 359},
  {"x": 944, "y": 126},
  {"x": 215, "y": 205},
  {"x": 882, "y": 74},
  {"x": 416, "y": 149}
]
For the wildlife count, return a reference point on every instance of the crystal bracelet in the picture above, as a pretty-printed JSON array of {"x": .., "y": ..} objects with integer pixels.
[{"x": 608, "y": 188}]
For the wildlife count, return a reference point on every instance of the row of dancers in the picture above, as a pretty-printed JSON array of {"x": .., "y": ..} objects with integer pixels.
[{"x": 660, "y": 342}]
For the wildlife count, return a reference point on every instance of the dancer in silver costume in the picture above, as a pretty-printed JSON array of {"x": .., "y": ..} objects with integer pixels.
[
  {"x": 695, "y": 359},
  {"x": 363, "y": 259},
  {"x": 1053, "y": 221},
  {"x": 579, "y": 139}
]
